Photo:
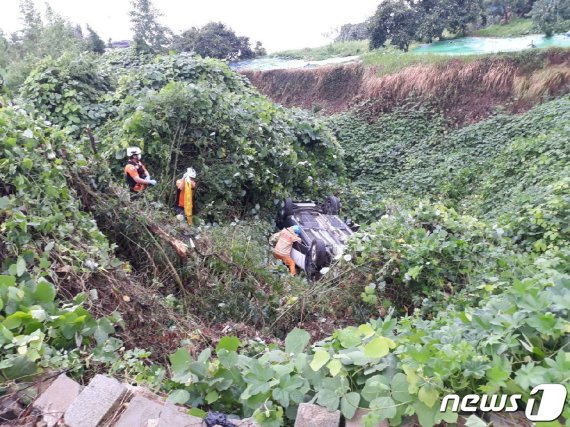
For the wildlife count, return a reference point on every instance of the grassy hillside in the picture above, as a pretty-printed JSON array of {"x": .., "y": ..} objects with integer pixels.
[
  {"x": 332, "y": 50},
  {"x": 515, "y": 27}
]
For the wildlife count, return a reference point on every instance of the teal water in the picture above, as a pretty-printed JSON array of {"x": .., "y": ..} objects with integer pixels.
[{"x": 481, "y": 45}]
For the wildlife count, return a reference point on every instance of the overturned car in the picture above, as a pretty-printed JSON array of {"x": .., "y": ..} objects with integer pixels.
[{"x": 323, "y": 233}]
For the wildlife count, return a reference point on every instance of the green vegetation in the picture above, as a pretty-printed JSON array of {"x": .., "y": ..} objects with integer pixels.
[
  {"x": 333, "y": 50},
  {"x": 457, "y": 282},
  {"x": 551, "y": 16},
  {"x": 40, "y": 37},
  {"x": 215, "y": 40},
  {"x": 403, "y": 22},
  {"x": 390, "y": 60},
  {"x": 411, "y": 152},
  {"x": 516, "y": 27}
]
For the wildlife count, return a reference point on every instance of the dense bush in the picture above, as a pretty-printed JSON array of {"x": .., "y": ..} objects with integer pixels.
[
  {"x": 483, "y": 169},
  {"x": 190, "y": 112},
  {"x": 45, "y": 239},
  {"x": 185, "y": 111},
  {"x": 69, "y": 91},
  {"x": 508, "y": 343}
]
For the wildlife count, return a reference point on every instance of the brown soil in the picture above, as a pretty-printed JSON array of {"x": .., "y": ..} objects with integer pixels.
[{"x": 465, "y": 92}]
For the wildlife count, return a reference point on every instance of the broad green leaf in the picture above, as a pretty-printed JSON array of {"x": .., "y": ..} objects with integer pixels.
[
  {"x": 297, "y": 340},
  {"x": 376, "y": 386},
  {"x": 16, "y": 319},
  {"x": 378, "y": 347},
  {"x": 475, "y": 421},
  {"x": 448, "y": 416},
  {"x": 180, "y": 361},
  {"x": 349, "y": 404},
  {"x": 426, "y": 415},
  {"x": 7, "y": 280},
  {"x": 178, "y": 397},
  {"x": 45, "y": 292},
  {"x": 428, "y": 394},
  {"x": 399, "y": 386},
  {"x": 212, "y": 396},
  {"x": 328, "y": 399},
  {"x": 21, "y": 367},
  {"x": 319, "y": 359},
  {"x": 228, "y": 343},
  {"x": 228, "y": 359},
  {"x": 20, "y": 266},
  {"x": 349, "y": 337},
  {"x": 197, "y": 412},
  {"x": 334, "y": 367},
  {"x": 385, "y": 405},
  {"x": 366, "y": 330}
]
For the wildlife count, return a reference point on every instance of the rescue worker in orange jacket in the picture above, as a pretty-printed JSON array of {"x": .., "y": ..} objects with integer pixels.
[
  {"x": 285, "y": 239},
  {"x": 136, "y": 174}
]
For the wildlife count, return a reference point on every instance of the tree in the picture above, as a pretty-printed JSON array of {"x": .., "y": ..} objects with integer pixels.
[
  {"x": 505, "y": 8},
  {"x": 31, "y": 20},
  {"x": 463, "y": 13},
  {"x": 395, "y": 21},
  {"x": 259, "y": 50},
  {"x": 216, "y": 41},
  {"x": 548, "y": 13},
  {"x": 94, "y": 42},
  {"x": 432, "y": 17},
  {"x": 149, "y": 34},
  {"x": 349, "y": 32}
]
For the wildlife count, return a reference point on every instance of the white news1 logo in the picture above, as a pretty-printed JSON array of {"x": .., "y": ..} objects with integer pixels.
[{"x": 550, "y": 407}]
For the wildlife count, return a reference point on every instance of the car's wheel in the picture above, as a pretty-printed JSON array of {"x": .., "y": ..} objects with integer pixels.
[
  {"x": 332, "y": 205},
  {"x": 286, "y": 208},
  {"x": 318, "y": 254}
]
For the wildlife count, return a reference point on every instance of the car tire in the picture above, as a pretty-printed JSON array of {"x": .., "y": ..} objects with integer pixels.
[
  {"x": 286, "y": 209},
  {"x": 318, "y": 254},
  {"x": 332, "y": 205}
]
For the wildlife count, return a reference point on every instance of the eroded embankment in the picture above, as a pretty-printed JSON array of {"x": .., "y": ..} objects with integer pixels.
[{"x": 466, "y": 91}]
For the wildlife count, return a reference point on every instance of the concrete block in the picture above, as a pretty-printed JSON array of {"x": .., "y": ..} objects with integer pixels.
[
  {"x": 356, "y": 421},
  {"x": 98, "y": 400},
  {"x": 171, "y": 416},
  {"x": 139, "y": 411},
  {"x": 309, "y": 415},
  {"x": 57, "y": 398}
]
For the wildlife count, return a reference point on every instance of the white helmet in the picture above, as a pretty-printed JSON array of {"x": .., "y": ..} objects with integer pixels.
[
  {"x": 190, "y": 173},
  {"x": 131, "y": 151}
]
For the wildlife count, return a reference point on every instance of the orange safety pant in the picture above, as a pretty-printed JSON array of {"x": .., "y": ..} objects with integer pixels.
[{"x": 287, "y": 260}]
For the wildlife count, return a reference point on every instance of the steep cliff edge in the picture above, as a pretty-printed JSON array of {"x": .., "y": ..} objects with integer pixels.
[{"x": 467, "y": 90}]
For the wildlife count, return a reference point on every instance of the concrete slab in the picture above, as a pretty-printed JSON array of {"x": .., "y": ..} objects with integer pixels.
[
  {"x": 309, "y": 415},
  {"x": 57, "y": 398},
  {"x": 139, "y": 411},
  {"x": 171, "y": 416},
  {"x": 98, "y": 400}
]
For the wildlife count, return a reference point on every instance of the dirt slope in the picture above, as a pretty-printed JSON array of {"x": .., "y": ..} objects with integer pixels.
[{"x": 466, "y": 91}]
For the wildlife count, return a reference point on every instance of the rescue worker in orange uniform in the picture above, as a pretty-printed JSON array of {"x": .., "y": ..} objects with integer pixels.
[
  {"x": 285, "y": 239},
  {"x": 190, "y": 174},
  {"x": 136, "y": 174}
]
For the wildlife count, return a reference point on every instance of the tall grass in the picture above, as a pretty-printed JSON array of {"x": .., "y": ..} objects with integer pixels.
[
  {"x": 333, "y": 50},
  {"x": 516, "y": 27},
  {"x": 391, "y": 60}
]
